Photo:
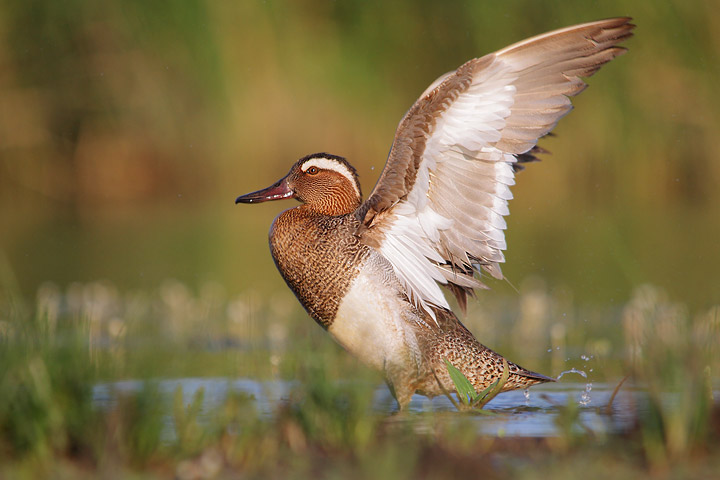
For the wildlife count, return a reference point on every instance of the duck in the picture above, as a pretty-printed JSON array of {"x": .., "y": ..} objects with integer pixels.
[{"x": 371, "y": 272}]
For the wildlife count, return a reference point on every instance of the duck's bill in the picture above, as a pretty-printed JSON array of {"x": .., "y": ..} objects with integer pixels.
[{"x": 277, "y": 191}]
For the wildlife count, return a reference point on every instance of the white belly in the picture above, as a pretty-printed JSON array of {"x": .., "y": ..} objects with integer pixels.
[{"x": 370, "y": 323}]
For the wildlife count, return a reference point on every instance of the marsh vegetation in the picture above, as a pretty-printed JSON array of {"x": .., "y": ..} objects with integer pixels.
[{"x": 200, "y": 384}]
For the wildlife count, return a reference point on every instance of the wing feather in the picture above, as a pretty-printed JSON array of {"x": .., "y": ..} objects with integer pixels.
[{"x": 437, "y": 211}]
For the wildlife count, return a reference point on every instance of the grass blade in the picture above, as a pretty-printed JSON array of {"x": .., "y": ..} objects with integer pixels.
[
  {"x": 466, "y": 392},
  {"x": 495, "y": 388}
]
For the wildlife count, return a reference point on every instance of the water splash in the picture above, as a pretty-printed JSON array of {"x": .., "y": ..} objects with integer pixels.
[
  {"x": 572, "y": 370},
  {"x": 585, "y": 397}
]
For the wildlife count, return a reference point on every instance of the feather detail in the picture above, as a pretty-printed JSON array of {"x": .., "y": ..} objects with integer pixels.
[{"x": 437, "y": 211}]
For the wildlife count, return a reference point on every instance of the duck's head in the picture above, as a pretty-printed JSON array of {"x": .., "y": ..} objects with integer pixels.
[{"x": 326, "y": 183}]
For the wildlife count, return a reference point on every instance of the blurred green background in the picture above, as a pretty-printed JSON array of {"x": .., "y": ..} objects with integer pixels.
[{"x": 127, "y": 129}]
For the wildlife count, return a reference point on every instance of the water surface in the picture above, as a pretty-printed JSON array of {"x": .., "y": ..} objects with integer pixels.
[{"x": 517, "y": 413}]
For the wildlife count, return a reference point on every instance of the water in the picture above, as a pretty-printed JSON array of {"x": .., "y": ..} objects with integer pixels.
[
  {"x": 585, "y": 399},
  {"x": 518, "y": 413},
  {"x": 572, "y": 370}
]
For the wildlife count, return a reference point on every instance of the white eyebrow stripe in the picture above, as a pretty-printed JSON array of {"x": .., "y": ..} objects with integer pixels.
[{"x": 335, "y": 166}]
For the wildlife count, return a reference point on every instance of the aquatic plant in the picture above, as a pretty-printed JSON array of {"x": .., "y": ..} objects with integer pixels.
[{"x": 467, "y": 397}]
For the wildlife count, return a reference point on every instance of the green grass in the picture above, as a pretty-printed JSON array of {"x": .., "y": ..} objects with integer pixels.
[
  {"x": 54, "y": 350},
  {"x": 467, "y": 397}
]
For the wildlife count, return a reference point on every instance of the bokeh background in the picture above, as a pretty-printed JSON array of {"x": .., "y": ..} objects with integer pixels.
[{"x": 127, "y": 129}]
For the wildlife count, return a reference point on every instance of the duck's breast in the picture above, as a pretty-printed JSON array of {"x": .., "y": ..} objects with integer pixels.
[
  {"x": 319, "y": 257},
  {"x": 346, "y": 286}
]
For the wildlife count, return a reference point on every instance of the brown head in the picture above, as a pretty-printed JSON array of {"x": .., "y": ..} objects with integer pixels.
[{"x": 326, "y": 183}]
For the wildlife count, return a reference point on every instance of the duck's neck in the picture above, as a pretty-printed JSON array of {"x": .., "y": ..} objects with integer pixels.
[{"x": 341, "y": 203}]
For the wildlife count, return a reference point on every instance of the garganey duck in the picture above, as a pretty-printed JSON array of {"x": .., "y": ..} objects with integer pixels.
[{"x": 369, "y": 272}]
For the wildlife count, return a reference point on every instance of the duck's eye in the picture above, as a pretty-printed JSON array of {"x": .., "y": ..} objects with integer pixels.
[{"x": 312, "y": 171}]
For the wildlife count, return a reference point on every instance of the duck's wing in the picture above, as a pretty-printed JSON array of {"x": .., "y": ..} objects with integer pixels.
[{"x": 437, "y": 210}]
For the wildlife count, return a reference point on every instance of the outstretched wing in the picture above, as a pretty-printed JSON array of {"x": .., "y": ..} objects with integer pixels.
[{"x": 437, "y": 210}]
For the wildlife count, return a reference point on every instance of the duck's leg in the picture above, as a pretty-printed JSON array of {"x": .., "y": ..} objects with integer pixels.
[
  {"x": 402, "y": 382},
  {"x": 403, "y": 392}
]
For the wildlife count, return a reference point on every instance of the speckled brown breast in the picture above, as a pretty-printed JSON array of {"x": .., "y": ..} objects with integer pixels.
[{"x": 318, "y": 256}]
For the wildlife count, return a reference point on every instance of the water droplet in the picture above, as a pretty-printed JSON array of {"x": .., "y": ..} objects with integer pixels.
[
  {"x": 526, "y": 392},
  {"x": 572, "y": 370},
  {"x": 585, "y": 397}
]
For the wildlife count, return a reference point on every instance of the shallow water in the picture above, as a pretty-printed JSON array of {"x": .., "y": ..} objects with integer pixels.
[{"x": 515, "y": 413}]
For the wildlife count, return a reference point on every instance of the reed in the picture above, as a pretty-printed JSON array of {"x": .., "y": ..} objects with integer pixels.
[{"x": 53, "y": 352}]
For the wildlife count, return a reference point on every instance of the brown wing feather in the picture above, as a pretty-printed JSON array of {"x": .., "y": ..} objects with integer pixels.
[{"x": 398, "y": 176}]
